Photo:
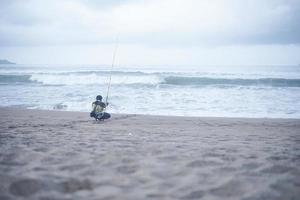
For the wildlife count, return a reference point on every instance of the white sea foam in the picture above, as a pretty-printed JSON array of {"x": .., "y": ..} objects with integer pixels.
[
  {"x": 93, "y": 78},
  {"x": 159, "y": 92}
]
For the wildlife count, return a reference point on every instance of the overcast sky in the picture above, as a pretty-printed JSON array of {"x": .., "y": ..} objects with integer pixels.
[{"x": 151, "y": 32}]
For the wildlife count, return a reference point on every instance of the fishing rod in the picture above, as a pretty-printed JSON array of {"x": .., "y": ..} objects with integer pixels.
[{"x": 112, "y": 67}]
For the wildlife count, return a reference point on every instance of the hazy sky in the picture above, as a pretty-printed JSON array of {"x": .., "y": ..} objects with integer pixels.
[{"x": 151, "y": 32}]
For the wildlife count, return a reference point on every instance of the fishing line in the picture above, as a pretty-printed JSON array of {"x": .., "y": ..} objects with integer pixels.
[{"x": 112, "y": 67}]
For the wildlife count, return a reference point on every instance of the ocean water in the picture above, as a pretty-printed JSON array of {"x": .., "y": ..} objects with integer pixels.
[{"x": 262, "y": 91}]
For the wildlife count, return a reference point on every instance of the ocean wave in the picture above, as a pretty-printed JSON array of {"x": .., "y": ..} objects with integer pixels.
[
  {"x": 204, "y": 81},
  {"x": 7, "y": 79},
  {"x": 75, "y": 72},
  {"x": 93, "y": 78},
  {"x": 143, "y": 79},
  {"x": 78, "y": 79}
]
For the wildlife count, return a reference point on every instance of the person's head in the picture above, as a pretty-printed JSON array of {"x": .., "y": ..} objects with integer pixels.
[{"x": 99, "y": 98}]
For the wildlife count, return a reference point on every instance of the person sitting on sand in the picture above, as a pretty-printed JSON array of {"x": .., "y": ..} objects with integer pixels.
[{"x": 98, "y": 109}]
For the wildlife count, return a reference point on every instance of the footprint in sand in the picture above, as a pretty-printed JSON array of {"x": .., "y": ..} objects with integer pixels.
[
  {"x": 232, "y": 188},
  {"x": 277, "y": 169},
  {"x": 127, "y": 169},
  {"x": 25, "y": 187},
  {"x": 194, "y": 195},
  {"x": 74, "y": 185},
  {"x": 202, "y": 163}
]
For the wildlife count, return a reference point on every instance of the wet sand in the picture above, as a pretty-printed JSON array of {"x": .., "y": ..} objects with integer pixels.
[{"x": 67, "y": 155}]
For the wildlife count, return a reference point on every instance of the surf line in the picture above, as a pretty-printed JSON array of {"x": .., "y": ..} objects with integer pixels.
[{"x": 112, "y": 67}]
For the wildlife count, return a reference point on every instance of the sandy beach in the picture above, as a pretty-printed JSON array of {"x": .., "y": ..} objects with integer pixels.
[{"x": 67, "y": 155}]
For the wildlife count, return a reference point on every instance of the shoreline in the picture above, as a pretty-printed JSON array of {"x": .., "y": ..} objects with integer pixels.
[
  {"x": 151, "y": 115},
  {"x": 68, "y": 155}
]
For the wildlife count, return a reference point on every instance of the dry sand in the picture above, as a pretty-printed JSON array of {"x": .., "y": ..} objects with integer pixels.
[{"x": 67, "y": 155}]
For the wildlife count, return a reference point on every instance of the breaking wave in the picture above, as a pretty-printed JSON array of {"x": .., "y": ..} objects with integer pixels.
[
  {"x": 255, "y": 93},
  {"x": 143, "y": 79},
  {"x": 78, "y": 79},
  {"x": 274, "y": 82},
  {"x": 8, "y": 79}
]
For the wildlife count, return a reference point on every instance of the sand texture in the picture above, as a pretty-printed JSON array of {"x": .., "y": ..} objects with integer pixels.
[{"x": 66, "y": 155}]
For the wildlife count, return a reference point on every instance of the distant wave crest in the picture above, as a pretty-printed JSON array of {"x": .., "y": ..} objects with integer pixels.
[
  {"x": 8, "y": 79},
  {"x": 137, "y": 78},
  {"x": 274, "y": 82}
]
